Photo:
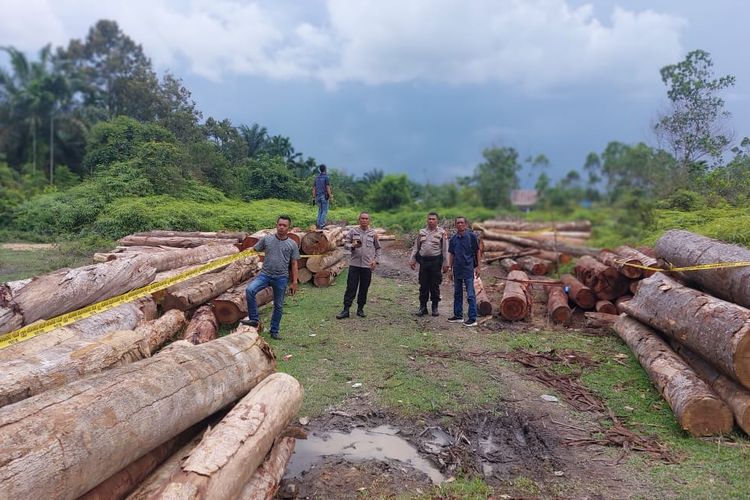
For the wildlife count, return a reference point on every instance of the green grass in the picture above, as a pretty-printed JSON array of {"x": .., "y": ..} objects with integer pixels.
[{"x": 21, "y": 264}]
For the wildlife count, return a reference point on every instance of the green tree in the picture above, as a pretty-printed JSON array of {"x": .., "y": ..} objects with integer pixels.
[
  {"x": 256, "y": 138},
  {"x": 391, "y": 191},
  {"x": 625, "y": 168},
  {"x": 227, "y": 140},
  {"x": 694, "y": 130},
  {"x": 497, "y": 176},
  {"x": 268, "y": 177}
]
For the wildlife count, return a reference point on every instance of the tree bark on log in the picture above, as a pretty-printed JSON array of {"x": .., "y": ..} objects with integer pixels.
[
  {"x": 317, "y": 263},
  {"x": 66, "y": 290},
  {"x": 605, "y": 307},
  {"x": 326, "y": 277},
  {"x": 203, "y": 326},
  {"x": 557, "y": 304},
  {"x": 236, "y": 237},
  {"x": 231, "y": 306},
  {"x": 534, "y": 265},
  {"x": 620, "y": 301},
  {"x": 582, "y": 225},
  {"x": 733, "y": 394},
  {"x": 631, "y": 254},
  {"x": 555, "y": 257},
  {"x": 182, "y": 257},
  {"x": 499, "y": 246},
  {"x": 107, "y": 421},
  {"x": 304, "y": 275},
  {"x": 76, "y": 358},
  {"x": 698, "y": 409},
  {"x": 516, "y": 302},
  {"x": 265, "y": 482},
  {"x": 583, "y": 296},
  {"x": 509, "y": 265},
  {"x": 716, "y": 329},
  {"x": 230, "y": 453},
  {"x": 124, "y": 317},
  {"x": 599, "y": 320},
  {"x": 318, "y": 242},
  {"x": 606, "y": 282},
  {"x": 201, "y": 289},
  {"x": 614, "y": 260},
  {"x": 683, "y": 248},
  {"x": 170, "y": 241},
  {"x": 484, "y": 306}
]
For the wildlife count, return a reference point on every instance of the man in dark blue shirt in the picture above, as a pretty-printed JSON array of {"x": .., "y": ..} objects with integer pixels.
[
  {"x": 463, "y": 259},
  {"x": 322, "y": 195}
]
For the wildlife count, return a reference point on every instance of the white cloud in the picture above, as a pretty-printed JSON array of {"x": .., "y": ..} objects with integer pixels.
[{"x": 534, "y": 45}]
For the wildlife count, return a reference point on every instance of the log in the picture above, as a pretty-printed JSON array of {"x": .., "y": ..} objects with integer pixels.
[
  {"x": 581, "y": 225},
  {"x": 698, "y": 409},
  {"x": 574, "y": 250},
  {"x": 231, "y": 306},
  {"x": 317, "y": 263},
  {"x": 484, "y": 306},
  {"x": 534, "y": 265},
  {"x": 620, "y": 263},
  {"x": 606, "y": 282},
  {"x": 229, "y": 454},
  {"x": 201, "y": 289},
  {"x": 500, "y": 246},
  {"x": 683, "y": 248},
  {"x": 557, "y": 257},
  {"x": 516, "y": 302},
  {"x": 62, "y": 443},
  {"x": 633, "y": 287},
  {"x": 599, "y": 320},
  {"x": 507, "y": 237},
  {"x": 326, "y": 277},
  {"x": 733, "y": 394},
  {"x": 170, "y": 241},
  {"x": 717, "y": 330},
  {"x": 221, "y": 235},
  {"x": 124, "y": 317},
  {"x": 203, "y": 326},
  {"x": 620, "y": 301},
  {"x": 304, "y": 275},
  {"x": 318, "y": 242},
  {"x": 579, "y": 293},
  {"x": 76, "y": 358},
  {"x": 182, "y": 257},
  {"x": 509, "y": 265},
  {"x": 605, "y": 307},
  {"x": 557, "y": 304},
  {"x": 265, "y": 482},
  {"x": 631, "y": 254},
  {"x": 66, "y": 290}
]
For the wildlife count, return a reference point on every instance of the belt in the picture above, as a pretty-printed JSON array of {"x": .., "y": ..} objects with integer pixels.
[{"x": 432, "y": 257}]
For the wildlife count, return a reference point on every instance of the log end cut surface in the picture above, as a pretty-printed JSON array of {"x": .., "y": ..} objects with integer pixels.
[
  {"x": 707, "y": 417},
  {"x": 742, "y": 361}
]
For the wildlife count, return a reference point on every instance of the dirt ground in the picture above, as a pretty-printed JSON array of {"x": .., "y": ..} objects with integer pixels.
[{"x": 517, "y": 439}]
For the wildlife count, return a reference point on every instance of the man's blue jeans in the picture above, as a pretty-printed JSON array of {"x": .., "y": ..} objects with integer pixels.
[
  {"x": 263, "y": 280},
  {"x": 458, "y": 297},
  {"x": 322, "y": 211}
]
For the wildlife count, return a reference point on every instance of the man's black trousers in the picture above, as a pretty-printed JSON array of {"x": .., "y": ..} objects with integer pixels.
[
  {"x": 430, "y": 277},
  {"x": 358, "y": 277}
]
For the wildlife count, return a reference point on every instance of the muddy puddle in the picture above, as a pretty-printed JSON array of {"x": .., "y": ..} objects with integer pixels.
[{"x": 380, "y": 443}]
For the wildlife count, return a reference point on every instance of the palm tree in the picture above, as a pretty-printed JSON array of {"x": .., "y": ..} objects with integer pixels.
[{"x": 256, "y": 138}]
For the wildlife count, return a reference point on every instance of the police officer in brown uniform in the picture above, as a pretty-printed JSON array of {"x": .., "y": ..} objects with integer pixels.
[
  {"x": 364, "y": 245},
  {"x": 431, "y": 252}
]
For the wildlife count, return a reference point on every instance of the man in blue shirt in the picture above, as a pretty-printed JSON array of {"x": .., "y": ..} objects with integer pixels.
[
  {"x": 281, "y": 255},
  {"x": 322, "y": 195},
  {"x": 463, "y": 259}
]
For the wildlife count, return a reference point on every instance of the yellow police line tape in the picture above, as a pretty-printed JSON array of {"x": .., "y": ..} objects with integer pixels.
[
  {"x": 698, "y": 267},
  {"x": 45, "y": 326}
]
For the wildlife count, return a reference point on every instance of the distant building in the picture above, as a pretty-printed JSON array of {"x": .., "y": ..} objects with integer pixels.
[{"x": 524, "y": 199}]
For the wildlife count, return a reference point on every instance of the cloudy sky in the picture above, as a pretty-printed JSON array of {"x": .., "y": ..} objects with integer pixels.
[{"x": 420, "y": 86}]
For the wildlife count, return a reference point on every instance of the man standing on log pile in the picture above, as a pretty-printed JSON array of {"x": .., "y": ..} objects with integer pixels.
[
  {"x": 431, "y": 252},
  {"x": 365, "y": 247},
  {"x": 463, "y": 259},
  {"x": 281, "y": 255},
  {"x": 322, "y": 195}
]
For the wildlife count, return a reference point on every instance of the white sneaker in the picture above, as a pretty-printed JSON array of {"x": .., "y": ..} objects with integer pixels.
[{"x": 470, "y": 323}]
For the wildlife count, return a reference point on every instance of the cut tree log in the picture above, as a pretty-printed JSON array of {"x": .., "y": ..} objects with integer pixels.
[
  {"x": 484, "y": 306},
  {"x": 326, "y": 277},
  {"x": 606, "y": 282},
  {"x": 620, "y": 301},
  {"x": 201, "y": 289},
  {"x": 124, "y": 317},
  {"x": 170, "y": 241},
  {"x": 231, "y": 306},
  {"x": 10, "y": 314},
  {"x": 605, "y": 307},
  {"x": 236, "y": 237},
  {"x": 698, "y": 409},
  {"x": 636, "y": 257},
  {"x": 304, "y": 275},
  {"x": 733, "y": 394},
  {"x": 599, "y": 320},
  {"x": 182, "y": 257},
  {"x": 683, "y": 248},
  {"x": 66, "y": 290},
  {"x": 716, "y": 329},
  {"x": 534, "y": 265},
  {"x": 203, "y": 326},
  {"x": 76, "y": 358},
  {"x": 509, "y": 265},
  {"x": 557, "y": 304},
  {"x": 499, "y": 246},
  {"x": 583, "y": 296},
  {"x": 516, "y": 302},
  {"x": 265, "y": 482},
  {"x": 620, "y": 263},
  {"x": 109, "y": 420},
  {"x": 317, "y": 263},
  {"x": 582, "y": 225},
  {"x": 318, "y": 242},
  {"x": 633, "y": 287},
  {"x": 558, "y": 257},
  {"x": 229, "y": 454}
]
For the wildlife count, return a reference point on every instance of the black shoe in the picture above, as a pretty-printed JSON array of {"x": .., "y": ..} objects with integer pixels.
[
  {"x": 455, "y": 319},
  {"x": 422, "y": 311},
  {"x": 275, "y": 336},
  {"x": 470, "y": 322},
  {"x": 434, "y": 311},
  {"x": 343, "y": 314},
  {"x": 361, "y": 313},
  {"x": 250, "y": 322}
]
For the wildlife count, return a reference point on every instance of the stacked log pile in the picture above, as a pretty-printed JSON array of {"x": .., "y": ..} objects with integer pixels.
[{"x": 695, "y": 343}]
